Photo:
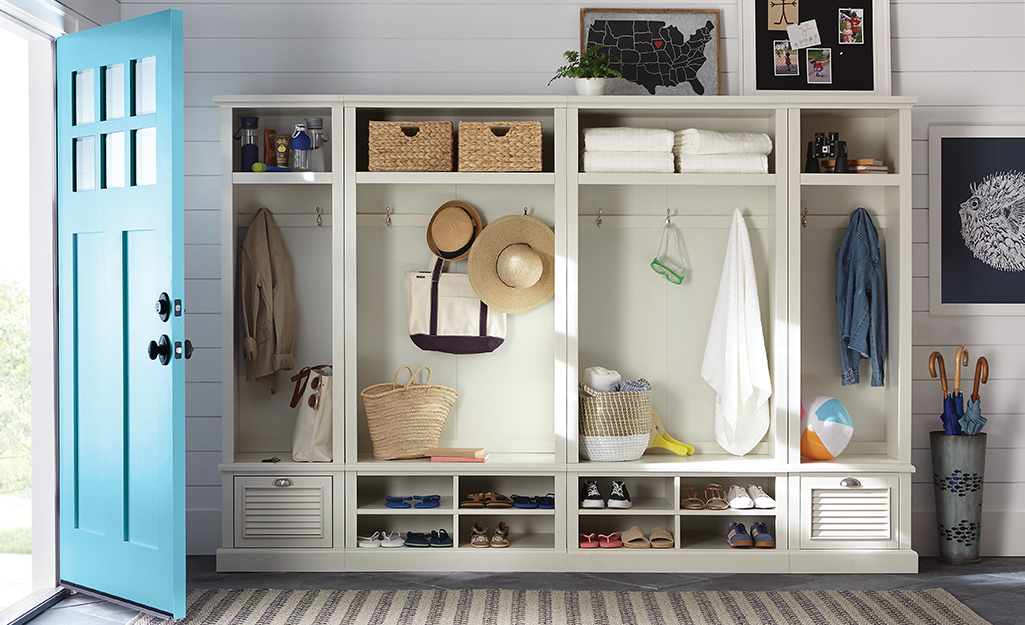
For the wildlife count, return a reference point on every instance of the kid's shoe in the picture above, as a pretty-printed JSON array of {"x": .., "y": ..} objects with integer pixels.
[
  {"x": 739, "y": 499},
  {"x": 761, "y": 500},
  {"x": 762, "y": 537},
  {"x": 737, "y": 535},
  {"x": 620, "y": 497},
  {"x": 590, "y": 497}
]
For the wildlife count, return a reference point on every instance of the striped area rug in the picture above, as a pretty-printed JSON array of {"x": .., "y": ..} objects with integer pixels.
[{"x": 597, "y": 607}]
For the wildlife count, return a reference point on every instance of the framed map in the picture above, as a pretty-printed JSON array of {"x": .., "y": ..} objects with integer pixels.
[
  {"x": 976, "y": 220},
  {"x": 658, "y": 51}
]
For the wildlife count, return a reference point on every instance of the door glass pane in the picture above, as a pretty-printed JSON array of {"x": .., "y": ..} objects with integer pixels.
[
  {"x": 114, "y": 91},
  {"x": 85, "y": 164},
  {"x": 145, "y": 158},
  {"x": 85, "y": 97},
  {"x": 114, "y": 160},
  {"x": 145, "y": 85}
]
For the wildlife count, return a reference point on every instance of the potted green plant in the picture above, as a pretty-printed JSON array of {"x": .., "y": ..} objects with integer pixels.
[{"x": 589, "y": 69}]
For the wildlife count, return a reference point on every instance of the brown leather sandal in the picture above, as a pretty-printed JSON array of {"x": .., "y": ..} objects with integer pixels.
[
  {"x": 496, "y": 500},
  {"x": 715, "y": 497},
  {"x": 473, "y": 500},
  {"x": 689, "y": 499}
]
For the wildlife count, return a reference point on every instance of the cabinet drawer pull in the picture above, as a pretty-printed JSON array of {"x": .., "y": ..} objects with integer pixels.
[
  {"x": 283, "y": 481},
  {"x": 850, "y": 482}
]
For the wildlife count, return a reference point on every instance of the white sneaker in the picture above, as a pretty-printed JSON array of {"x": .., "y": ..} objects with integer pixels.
[
  {"x": 761, "y": 500},
  {"x": 738, "y": 498}
]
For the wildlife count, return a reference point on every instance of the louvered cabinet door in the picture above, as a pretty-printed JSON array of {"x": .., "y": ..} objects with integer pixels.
[
  {"x": 849, "y": 512},
  {"x": 283, "y": 511}
]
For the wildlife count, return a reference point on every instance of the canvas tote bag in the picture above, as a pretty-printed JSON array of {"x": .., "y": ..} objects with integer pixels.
[
  {"x": 311, "y": 439},
  {"x": 445, "y": 315}
]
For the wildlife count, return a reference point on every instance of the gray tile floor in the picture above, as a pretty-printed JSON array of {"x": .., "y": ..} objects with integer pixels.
[{"x": 994, "y": 588}]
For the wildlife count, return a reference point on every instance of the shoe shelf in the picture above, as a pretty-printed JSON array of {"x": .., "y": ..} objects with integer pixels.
[
  {"x": 444, "y": 507},
  {"x": 282, "y": 177},
  {"x": 641, "y": 505}
]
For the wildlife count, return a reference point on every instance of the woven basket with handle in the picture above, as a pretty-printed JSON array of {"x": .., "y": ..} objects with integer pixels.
[
  {"x": 614, "y": 426},
  {"x": 410, "y": 146},
  {"x": 500, "y": 146},
  {"x": 405, "y": 420}
]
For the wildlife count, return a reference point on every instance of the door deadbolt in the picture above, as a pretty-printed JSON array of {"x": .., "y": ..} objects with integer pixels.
[{"x": 164, "y": 306}]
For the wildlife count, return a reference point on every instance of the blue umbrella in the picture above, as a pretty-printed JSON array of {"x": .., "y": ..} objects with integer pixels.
[
  {"x": 949, "y": 415},
  {"x": 972, "y": 421}
]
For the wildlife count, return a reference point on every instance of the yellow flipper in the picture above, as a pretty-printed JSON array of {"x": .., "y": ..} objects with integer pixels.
[{"x": 661, "y": 438}]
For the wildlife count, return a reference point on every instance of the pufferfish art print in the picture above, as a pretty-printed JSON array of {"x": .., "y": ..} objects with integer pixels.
[{"x": 993, "y": 221}]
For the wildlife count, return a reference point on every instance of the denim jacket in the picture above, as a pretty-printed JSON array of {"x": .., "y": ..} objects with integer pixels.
[{"x": 861, "y": 299}]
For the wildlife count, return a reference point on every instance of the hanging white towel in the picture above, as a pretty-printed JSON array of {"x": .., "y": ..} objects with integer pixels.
[
  {"x": 698, "y": 141},
  {"x": 722, "y": 163},
  {"x": 628, "y": 162},
  {"x": 735, "y": 363},
  {"x": 628, "y": 140}
]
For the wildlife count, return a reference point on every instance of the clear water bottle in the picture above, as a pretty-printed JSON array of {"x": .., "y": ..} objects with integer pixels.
[
  {"x": 250, "y": 152},
  {"x": 300, "y": 148},
  {"x": 318, "y": 138}
]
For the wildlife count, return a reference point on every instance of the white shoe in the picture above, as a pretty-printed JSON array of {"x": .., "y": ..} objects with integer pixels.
[
  {"x": 393, "y": 539},
  {"x": 369, "y": 541},
  {"x": 761, "y": 500},
  {"x": 738, "y": 498}
]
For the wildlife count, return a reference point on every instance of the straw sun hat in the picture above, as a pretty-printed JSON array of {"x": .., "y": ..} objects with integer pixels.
[
  {"x": 452, "y": 230},
  {"x": 512, "y": 262}
]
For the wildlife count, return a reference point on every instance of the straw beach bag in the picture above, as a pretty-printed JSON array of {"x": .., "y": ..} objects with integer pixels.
[
  {"x": 405, "y": 420},
  {"x": 614, "y": 426}
]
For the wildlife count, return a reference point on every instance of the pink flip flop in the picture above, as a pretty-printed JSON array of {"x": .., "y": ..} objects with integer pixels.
[
  {"x": 609, "y": 541},
  {"x": 587, "y": 541}
]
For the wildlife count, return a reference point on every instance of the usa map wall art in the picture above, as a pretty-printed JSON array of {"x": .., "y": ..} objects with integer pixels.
[{"x": 658, "y": 51}]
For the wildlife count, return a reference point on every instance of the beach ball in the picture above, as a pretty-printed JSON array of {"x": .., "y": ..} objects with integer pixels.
[{"x": 826, "y": 428}]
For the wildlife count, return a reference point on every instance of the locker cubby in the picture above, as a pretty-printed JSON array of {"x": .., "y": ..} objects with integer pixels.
[
  {"x": 283, "y": 121},
  {"x": 768, "y": 484},
  {"x": 598, "y": 523},
  {"x": 647, "y": 494},
  {"x": 709, "y": 532},
  {"x": 508, "y": 485},
  {"x": 366, "y": 525},
  {"x": 371, "y": 491}
]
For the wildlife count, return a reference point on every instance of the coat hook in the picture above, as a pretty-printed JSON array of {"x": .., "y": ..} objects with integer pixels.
[
  {"x": 599, "y": 218},
  {"x": 524, "y": 210},
  {"x": 387, "y": 219},
  {"x": 668, "y": 222},
  {"x": 320, "y": 217},
  {"x": 804, "y": 218}
]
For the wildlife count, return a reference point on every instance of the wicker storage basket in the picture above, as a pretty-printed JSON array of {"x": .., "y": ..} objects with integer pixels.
[
  {"x": 614, "y": 426},
  {"x": 405, "y": 420},
  {"x": 411, "y": 146},
  {"x": 499, "y": 146}
]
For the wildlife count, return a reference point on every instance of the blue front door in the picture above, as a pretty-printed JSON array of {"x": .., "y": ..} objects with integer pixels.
[{"x": 120, "y": 229}]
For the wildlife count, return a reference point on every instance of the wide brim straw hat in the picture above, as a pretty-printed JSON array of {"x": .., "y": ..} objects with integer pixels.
[
  {"x": 453, "y": 229},
  {"x": 512, "y": 264}
]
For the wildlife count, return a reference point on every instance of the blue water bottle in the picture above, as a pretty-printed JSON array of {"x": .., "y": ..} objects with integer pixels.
[
  {"x": 300, "y": 148},
  {"x": 250, "y": 152}
]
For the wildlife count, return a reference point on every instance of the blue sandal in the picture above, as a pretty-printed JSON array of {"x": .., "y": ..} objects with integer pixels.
[
  {"x": 397, "y": 502},
  {"x": 519, "y": 501},
  {"x": 417, "y": 539},
  {"x": 427, "y": 501},
  {"x": 440, "y": 538},
  {"x": 546, "y": 502}
]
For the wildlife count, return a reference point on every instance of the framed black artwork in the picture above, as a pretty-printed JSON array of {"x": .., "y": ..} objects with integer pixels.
[
  {"x": 837, "y": 46},
  {"x": 658, "y": 51},
  {"x": 977, "y": 220}
]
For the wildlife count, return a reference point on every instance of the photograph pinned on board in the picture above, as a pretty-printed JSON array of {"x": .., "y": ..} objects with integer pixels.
[
  {"x": 852, "y": 26},
  {"x": 820, "y": 69},
  {"x": 786, "y": 59}
]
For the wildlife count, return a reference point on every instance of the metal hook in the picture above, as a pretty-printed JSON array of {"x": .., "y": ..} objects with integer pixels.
[
  {"x": 599, "y": 218},
  {"x": 320, "y": 217},
  {"x": 668, "y": 222},
  {"x": 524, "y": 210},
  {"x": 804, "y": 218},
  {"x": 387, "y": 219}
]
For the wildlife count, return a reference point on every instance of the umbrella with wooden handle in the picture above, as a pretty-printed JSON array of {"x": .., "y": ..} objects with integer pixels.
[
  {"x": 960, "y": 360},
  {"x": 972, "y": 421},
  {"x": 948, "y": 416}
]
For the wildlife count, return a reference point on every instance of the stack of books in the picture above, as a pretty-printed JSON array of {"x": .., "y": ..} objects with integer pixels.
[
  {"x": 457, "y": 454},
  {"x": 858, "y": 166}
]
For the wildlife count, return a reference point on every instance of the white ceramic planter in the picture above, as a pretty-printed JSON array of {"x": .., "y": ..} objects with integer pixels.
[{"x": 590, "y": 86}]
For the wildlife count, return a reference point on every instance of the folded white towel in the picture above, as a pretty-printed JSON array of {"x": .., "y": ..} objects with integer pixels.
[
  {"x": 600, "y": 378},
  {"x": 628, "y": 140},
  {"x": 697, "y": 141},
  {"x": 628, "y": 162},
  {"x": 722, "y": 164}
]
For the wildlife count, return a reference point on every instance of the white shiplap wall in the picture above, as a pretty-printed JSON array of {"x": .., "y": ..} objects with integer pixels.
[{"x": 964, "y": 60}]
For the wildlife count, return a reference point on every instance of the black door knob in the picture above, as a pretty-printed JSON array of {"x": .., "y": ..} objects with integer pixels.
[
  {"x": 164, "y": 307},
  {"x": 161, "y": 348},
  {"x": 188, "y": 349}
]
